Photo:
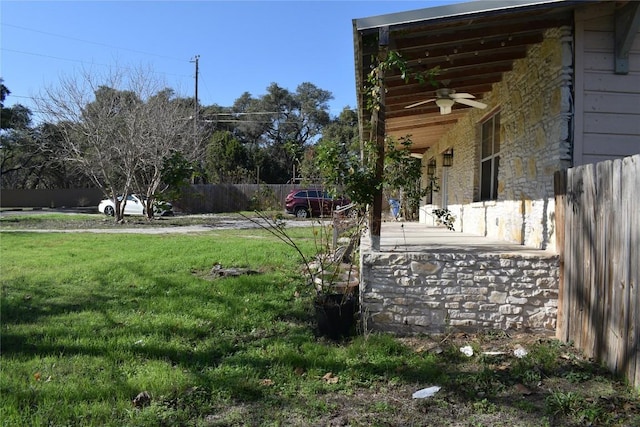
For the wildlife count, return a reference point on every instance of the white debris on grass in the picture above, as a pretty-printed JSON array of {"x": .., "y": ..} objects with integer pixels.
[
  {"x": 426, "y": 392},
  {"x": 467, "y": 350},
  {"x": 520, "y": 352}
]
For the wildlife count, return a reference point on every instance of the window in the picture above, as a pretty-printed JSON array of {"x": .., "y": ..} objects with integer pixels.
[
  {"x": 431, "y": 180},
  {"x": 490, "y": 158}
]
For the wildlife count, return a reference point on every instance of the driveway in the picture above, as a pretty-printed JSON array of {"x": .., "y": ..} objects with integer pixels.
[{"x": 137, "y": 225}]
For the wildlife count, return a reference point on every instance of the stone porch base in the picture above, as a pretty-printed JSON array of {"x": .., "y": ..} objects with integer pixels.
[{"x": 433, "y": 283}]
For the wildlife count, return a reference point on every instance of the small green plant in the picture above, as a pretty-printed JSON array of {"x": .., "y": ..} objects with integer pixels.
[
  {"x": 575, "y": 407},
  {"x": 382, "y": 407},
  {"x": 328, "y": 269},
  {"x": 563, "y": 403},
  {"x": 527, "y": 374},
  {"x": 485, "y": 406},
  {"x": 526, "y": 406},
  {"x": 541, "y": 360},
  {"x": 264, "y": 199},
  {"x": 577, "y": 376},
  {"x": 593, "y": 415},
  {"x": 545, "y": 355}
]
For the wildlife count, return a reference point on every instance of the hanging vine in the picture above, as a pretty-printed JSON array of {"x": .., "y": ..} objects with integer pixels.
[
  {"x": 360, "y": 182},
  {"x": 394, "y": 60}
]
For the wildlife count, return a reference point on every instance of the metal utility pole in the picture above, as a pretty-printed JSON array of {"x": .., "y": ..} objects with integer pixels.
[{"x": 195, "y": 103}]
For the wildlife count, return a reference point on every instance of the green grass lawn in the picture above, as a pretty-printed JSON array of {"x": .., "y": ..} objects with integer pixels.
[{"x": 90, "y": 321}]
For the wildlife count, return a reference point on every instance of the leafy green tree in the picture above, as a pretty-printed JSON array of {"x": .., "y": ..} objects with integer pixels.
[
  {"x": 30, "y": 156},
  {"x": 18, "y": 154},
  {"x": 16, "y": 117},
  {"x": 51, "y": 170},
  {"x": 226, "y": 159},
  {"x": 402, "y": 176},
  {"x": 337, "y": 160},
  {"x": 277, "y": 127},
  {"x": 177, "y": 174},
  {"x": 335, "y": 154}
]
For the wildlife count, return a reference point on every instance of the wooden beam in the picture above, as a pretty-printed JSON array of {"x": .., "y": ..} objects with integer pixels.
[
  {"x": 475, "y": 47},
  {"x": 627, "y": 23},
  {"x": 378, "y": 126},
  {"x": 435, "y": 37}
]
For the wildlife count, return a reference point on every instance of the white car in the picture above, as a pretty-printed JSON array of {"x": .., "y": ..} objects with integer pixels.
[{"x": 134, "y": 206}]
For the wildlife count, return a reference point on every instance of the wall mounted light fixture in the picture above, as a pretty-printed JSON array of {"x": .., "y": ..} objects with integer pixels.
[
  {"x": 447, "y": 158},
  {"x": 431, "y": 167}
]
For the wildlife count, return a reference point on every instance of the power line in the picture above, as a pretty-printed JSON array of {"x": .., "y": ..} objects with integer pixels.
[
  {"x": 92, "y": 42},
  {"x": 84, "y": 62},
  {"x": 80, "y": 61},
  {"x": 23, "y": 96},
  {"x": 52, "y": 57}
]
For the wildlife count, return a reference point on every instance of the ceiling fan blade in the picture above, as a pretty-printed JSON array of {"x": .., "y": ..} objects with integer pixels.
[
  {"x": 461, "y": 95},
  {"x": 420, "y": 103},
  {"x": 471, "y": 103}
]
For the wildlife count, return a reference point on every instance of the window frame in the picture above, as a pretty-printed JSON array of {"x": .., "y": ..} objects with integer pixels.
[{"x": 492, "y": 123}]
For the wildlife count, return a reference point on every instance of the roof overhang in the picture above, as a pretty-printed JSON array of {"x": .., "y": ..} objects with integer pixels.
[{"x": 473, "y": 44}]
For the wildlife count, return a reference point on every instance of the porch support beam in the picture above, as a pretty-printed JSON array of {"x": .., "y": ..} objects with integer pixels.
[
  {"x": 378, "y": 126},
  {"x": 627, "y": 22}
]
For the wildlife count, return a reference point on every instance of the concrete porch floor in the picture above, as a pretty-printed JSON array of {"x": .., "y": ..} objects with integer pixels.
[{"x": 397, "y": 236}]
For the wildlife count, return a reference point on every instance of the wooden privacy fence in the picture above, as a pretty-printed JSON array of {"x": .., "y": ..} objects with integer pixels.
[
  {"x": 599, "y": 244},
  {"x": 51, "y": 198},
  {"x": 216, "y": 198},
  {"x": 204, "y": 198}
]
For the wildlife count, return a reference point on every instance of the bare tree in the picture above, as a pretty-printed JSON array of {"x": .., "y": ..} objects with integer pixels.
[
  {"x": 119, "y": 128},
  {"x": 168, "y": 129}
]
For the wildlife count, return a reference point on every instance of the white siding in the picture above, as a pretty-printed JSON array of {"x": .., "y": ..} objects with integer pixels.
[{"x": 607, "y": 105}]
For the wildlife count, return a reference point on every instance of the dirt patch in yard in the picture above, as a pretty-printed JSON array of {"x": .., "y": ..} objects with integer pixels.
[
  {"x": 497, "y": 379},
  {"x": 523, "y": 380}
]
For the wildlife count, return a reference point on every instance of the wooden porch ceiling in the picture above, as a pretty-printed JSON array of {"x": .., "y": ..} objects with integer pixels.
[{"x": 472, "y": 52}]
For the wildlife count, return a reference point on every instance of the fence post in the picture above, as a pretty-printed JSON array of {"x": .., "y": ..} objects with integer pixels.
[{"x": 560, "y": 194}]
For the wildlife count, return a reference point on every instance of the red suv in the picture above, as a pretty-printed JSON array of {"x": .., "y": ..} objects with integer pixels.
[{"x": 312, "y": 202}]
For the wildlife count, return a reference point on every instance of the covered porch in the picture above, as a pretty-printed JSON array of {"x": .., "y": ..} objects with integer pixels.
[
  {"x": 398, "y": 236},
  {"x": 427, "y": 279}
]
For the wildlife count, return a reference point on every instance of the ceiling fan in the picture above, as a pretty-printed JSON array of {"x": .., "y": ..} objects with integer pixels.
[{"x": 445, "y": 98}]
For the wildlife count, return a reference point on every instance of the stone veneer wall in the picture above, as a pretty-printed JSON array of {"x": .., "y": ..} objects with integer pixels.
[
  {"x": 534, "y": 100},
  {"x": 409, "y": 293}
]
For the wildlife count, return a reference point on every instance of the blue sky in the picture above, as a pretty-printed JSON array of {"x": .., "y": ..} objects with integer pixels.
[{"x": 244, "y": 46}]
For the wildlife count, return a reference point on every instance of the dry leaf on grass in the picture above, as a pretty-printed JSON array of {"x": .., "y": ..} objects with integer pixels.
[
  {"x": 330, "y": 378},
  {"x": 522, "y": 390},
  {"x": 142, "y": 399}
]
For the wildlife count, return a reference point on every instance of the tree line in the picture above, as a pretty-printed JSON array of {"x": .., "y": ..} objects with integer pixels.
[{"x": 125, "y": 132}]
